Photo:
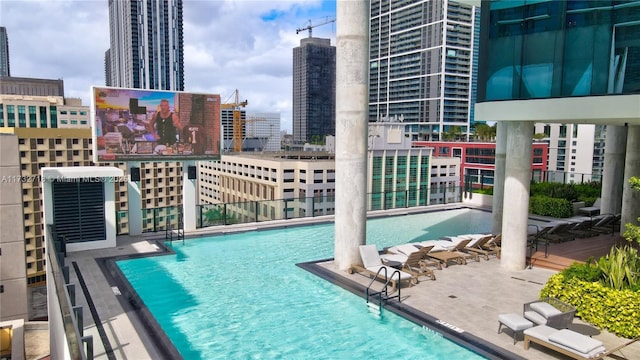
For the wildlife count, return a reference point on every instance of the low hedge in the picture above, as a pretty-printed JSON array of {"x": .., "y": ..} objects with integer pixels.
[
  {"x": 547, "y": 206},
  {"x": 618, "y": 311}
]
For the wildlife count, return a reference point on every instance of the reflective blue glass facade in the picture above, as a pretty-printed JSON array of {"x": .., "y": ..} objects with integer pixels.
[{"x": 543, "y": 49}]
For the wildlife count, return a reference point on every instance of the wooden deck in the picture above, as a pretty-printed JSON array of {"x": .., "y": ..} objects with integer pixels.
[{"x": 562, "y": 255}]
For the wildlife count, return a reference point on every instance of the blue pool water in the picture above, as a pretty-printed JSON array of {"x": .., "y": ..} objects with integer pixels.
[{"x": 241, "y": 295}]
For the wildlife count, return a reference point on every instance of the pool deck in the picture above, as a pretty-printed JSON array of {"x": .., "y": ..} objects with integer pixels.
[{"x": 467, "y": 298}]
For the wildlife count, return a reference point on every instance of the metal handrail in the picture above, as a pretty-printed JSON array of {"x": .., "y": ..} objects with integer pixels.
[{"x": 384, "y": 287}]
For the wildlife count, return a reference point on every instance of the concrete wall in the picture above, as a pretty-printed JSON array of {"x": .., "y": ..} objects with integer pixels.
[{"x": 13, "y": 272}]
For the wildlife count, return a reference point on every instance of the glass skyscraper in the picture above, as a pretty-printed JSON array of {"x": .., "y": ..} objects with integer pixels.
[
  {"x": 4, "y": 52},
  {"x": 314, "y": 90},
  {"x": 147, "y": 46},
  {"x": 421, "y": 56},
  {"x": 546, "y": 49}
]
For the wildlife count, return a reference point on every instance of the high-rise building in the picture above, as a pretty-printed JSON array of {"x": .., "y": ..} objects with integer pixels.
[
  {"x": 4, "y": 52},
  {"x": 147, "y": 46},
  {"x": 576, "y": 151},
  {"x": 314, "y": 89},
  {"x": 421, "y": 56}
]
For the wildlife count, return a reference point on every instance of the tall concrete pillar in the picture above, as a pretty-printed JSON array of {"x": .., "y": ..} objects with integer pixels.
[
  {"x": 613, "y": 169},
  {"x": 134, "y": 201},
  {"x": 498, "y": 177},
  {"x": 631, "y": 197},
  {"x": 352, "y": 97},
  {"x": 517, "y": 181}
]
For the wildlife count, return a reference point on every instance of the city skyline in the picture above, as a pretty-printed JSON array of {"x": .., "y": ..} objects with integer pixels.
[{"x": 256, "y": 39}]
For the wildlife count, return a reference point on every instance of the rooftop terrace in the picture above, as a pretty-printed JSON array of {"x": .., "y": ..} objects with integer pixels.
[{"x": 465, "y": 298}]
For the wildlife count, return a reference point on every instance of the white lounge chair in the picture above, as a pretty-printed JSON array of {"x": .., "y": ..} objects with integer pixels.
[
  {"x": 569, "y": 342},
  {"x": 372, "y": 264}
]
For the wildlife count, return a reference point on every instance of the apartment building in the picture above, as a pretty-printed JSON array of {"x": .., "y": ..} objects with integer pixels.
[
  {"x": 53, "y": 131},
  {"x": 421, "y": 57},
  {"x": 576, "y": 151},
  {"x": 284, "y": 184},
  {"x": 402, "y": 176},
  {"x": 478, "y": 159}
]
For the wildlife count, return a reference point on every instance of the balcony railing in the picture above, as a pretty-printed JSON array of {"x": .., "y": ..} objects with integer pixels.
[
  {"x": 158, "y": 219},
  {"x": 65, "y": 317}
]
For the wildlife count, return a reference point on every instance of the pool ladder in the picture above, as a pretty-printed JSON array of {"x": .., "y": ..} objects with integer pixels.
[{"x": 383, "y": 295}]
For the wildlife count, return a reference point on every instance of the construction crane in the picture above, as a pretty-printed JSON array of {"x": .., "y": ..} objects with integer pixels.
[
  {"x": 311, "y": 26},
  {"x": 237, "y": 119}
]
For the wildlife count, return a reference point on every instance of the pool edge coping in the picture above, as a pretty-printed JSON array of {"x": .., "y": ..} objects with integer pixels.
[{"x": 464, "y": 338}]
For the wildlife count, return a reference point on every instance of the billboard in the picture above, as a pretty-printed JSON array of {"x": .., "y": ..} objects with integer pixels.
[{"x": 154, "y": 125}]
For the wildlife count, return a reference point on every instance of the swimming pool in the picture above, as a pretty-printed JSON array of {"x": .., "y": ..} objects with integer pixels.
[{"x": 241, "y": 295}]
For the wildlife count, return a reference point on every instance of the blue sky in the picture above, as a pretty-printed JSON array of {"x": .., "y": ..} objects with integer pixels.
[{"x": 229, "y": 44}]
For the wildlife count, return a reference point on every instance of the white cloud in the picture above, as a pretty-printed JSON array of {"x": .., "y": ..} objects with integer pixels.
[{"x": 231, "y": 44}]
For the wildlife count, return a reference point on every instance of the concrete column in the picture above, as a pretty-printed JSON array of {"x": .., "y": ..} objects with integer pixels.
[
  {"x": 189, "y": 193},
  {"x": 134, "y": 202},
  {"x": 352, "y": 97},
  {"x": 498, "y": 177},
  {"x": 631, "y": 197},
  {"x": 517, "y": 183},
  {"x": 613, "y": 169}
]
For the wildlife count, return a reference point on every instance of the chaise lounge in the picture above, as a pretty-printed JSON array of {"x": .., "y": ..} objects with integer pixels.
[
  {"x": 569, "y": 342},
  {"x": 372, "y": 265},
  {"x": 412, "y": 260},
  {"x": 454, "y": 254}
]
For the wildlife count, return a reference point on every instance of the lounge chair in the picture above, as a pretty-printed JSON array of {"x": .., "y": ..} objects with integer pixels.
[
  {"x": 549, "y": 311},
  {"x": 593, "y": 209},
  {"x": 569, "y": 342},
  {"x": 413, "y": 262},
  {"x": 483, "y": 246},
  {"x": 372, "y": 264},
  {"x": 559, "y": 233},
  {"x": 582, "y": 228},
  {"x": 606, "y": 224},
  {"x": 454, "y": 254},
  {"x": 401, "y": 254}
]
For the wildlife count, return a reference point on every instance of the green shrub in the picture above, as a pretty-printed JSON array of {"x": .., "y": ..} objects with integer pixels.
[
  {"x": 555, "y": 190},
  {"x": 632, "y": 231},
  {"x": 547, "y": 206},
  {"x": 615, "y": 310},
  {"x": 485, "y": 191},
  {"x": 587, "y": 272},
  {"x": 589, "y": 190}
]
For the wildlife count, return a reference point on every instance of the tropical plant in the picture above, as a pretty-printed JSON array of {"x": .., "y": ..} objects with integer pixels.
[
  {"x": 452, "y": 132},
  {"x": 632, "y": 232},
  {"x": 539, "y": 136},
  {"x": 484, "y": 132},
  {"x": 621, "y": 268}
]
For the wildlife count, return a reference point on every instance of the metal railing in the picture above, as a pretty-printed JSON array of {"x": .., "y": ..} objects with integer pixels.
[
  {"x": 481, "y": 182},
  {"x": 167, "y": 218},
  {"x": 71, "y": 315}
]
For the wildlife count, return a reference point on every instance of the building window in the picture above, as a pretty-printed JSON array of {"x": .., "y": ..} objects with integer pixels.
[
  {"x": 43, "y": 116},
  {"x": 11, "y": 116},
  {"x": 33, "y": 121},
  {"x": 53, "y": 112},
  {"x": 563, "y": 131},
  {"x": 1, "y": 115},
  {"x": 22, "y": 116}
]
